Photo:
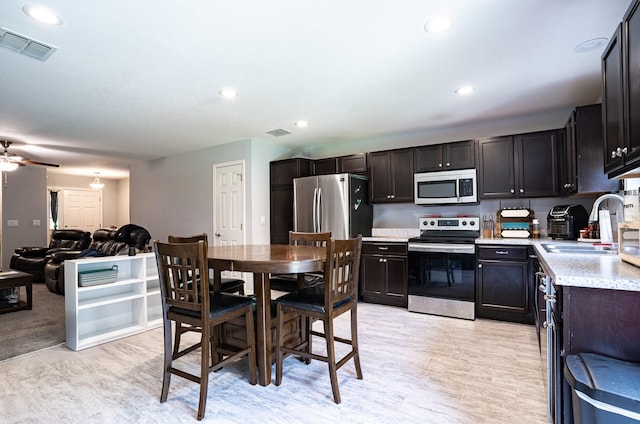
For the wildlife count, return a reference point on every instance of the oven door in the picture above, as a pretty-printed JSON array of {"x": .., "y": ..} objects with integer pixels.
[{"x": 442, "y": 279}]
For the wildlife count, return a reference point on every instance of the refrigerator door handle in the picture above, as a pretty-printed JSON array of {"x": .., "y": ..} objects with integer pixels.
[
  {"x": 319, "y": 206},
  {"x": 314, "y": 208}
]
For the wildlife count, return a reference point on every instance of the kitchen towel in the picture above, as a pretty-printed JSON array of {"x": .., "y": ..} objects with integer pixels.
[{"x": 606, "y": 235}]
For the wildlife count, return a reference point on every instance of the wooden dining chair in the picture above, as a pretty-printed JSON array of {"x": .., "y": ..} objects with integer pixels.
[
  {"x": 292, "y": 282},
  {"x": 338, "y": 295},
  {"x": 228, "y": 285},
  {"x": 187, "y": 300}
]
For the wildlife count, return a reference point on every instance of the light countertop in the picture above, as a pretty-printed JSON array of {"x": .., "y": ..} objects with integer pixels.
[{"x": 580, "y": 270}]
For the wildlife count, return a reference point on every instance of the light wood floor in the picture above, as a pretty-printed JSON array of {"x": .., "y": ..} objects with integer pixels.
[{"x": 417, "y": 369}]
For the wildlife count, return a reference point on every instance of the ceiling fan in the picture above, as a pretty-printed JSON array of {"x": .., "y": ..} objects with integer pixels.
[{"x": 10, "y": 162}]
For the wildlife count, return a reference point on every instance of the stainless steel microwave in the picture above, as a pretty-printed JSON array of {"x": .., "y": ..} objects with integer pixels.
[{"x": 446, "y": 187}]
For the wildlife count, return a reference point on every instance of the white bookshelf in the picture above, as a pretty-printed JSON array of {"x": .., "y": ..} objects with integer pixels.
[{"x": 106, "y": 312}]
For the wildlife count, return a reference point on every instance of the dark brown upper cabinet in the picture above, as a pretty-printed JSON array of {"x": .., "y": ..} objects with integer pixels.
[
  {"x": 444, "y": 157},
  {"x": 621, "y": 96},
  {"x": 583, "y": 170},
  {"x": 282, "y": 173},
  {"x": 391, "y": 176},
  {"x": 353, "y": 164},
  {"x": 524, "y": 165},
  {"x": 324, "y": 166}
]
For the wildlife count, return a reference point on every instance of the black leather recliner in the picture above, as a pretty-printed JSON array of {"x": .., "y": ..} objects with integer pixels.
[
  {"x": 103, "y": 244},
  {"x": 33, "y": 259}
]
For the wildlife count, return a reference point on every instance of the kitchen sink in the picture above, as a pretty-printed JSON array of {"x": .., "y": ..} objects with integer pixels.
[{"x": 587, "y": 249}]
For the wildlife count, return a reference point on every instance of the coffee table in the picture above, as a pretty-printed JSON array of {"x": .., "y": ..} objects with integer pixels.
[{"x": 12, "y": 279}]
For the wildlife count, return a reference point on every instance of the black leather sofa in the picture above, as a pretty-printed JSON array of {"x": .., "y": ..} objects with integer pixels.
[
  {"x": 33, "y": 259},
  {"x": 105, "y": 243}
]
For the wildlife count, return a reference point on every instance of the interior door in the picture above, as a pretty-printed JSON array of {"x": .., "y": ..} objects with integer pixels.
[
  {"x": 81, "y": 209},
  {"x": 228, "y": 205}
]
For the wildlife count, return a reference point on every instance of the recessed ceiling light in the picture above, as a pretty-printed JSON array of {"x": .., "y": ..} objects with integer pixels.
[
  {"x": 42, "y": 14},
  {"x": 228, "y": 93},
  {"x": 302, "y": 124},
  {"x": 439, "y": 24},
  {"x": 464, "y": 89},
  {"x": 590, "y": 45}
]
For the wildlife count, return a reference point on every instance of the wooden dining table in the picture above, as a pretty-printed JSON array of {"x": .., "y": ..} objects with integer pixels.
[{"x": 263, "y": 260}]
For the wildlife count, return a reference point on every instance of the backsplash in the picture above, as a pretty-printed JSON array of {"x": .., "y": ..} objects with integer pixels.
[{"x": 403, "y": 215}]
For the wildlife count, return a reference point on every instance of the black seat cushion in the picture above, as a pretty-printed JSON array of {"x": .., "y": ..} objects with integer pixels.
[
  {"x": 220, "y": 303},
  {"x": 311, "y": 299}
]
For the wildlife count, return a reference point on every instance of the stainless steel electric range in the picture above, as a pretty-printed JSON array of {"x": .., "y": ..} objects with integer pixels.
[{"x": 442, "y": 267}]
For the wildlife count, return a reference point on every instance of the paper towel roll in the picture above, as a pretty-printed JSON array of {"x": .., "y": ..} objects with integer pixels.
[{"x": 606, "y": 235}]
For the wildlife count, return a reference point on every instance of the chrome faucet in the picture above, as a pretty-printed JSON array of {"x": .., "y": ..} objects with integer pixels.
[{"x": 593, "y": 217}]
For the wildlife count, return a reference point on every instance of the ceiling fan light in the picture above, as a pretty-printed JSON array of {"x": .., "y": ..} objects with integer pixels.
[
  {"x": 97, "y": 184},
  {"x": 8, "y": 166}
]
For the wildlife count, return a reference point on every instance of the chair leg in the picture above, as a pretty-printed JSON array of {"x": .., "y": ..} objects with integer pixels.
[
  {"x": 279, "y": 342},
  {"x": 204, "y": 370},
  {"x": 176, "y": 344},
  {"x": 354, "y": 342},
  {"x": 166, "y": 375},
  {"x": 331, "y": 357},
  {"x": 308, "y": 328}
]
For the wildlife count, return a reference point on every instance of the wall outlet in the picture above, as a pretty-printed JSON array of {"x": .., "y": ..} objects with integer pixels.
[
  {"x": 36, "y": 223},
  {"x": 262, "y": 220},
  {"x": 12, "y": 223}
]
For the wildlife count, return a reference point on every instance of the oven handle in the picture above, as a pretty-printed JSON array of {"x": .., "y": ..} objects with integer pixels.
[{"x": 442, "y": 248}]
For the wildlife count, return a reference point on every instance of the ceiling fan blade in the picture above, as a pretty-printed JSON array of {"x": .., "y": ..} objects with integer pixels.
[{"x": 33, "y": 162}]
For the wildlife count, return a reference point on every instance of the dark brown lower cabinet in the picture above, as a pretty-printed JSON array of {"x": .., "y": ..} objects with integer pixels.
[
  {"x": 504, "y": 288},
  {"x": 384, "y": 273}
]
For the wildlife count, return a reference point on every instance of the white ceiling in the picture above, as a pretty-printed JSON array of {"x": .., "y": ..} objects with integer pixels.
[{"x": 141, "y": 79}]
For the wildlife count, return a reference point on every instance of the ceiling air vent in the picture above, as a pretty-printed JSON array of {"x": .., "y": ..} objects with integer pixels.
[
  {"x": 279, "y": 132},
  {"x": 25, "y": 45}
]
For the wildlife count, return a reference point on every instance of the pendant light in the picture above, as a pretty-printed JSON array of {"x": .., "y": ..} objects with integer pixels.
[{"x": 97, "y": 184}]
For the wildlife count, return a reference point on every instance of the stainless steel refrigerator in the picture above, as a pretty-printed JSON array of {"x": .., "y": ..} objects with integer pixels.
[{"x": 338, "y": 203}]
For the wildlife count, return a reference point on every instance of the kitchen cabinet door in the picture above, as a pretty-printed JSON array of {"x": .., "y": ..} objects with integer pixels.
[
  {"x": 536, "y": 164},
  {"x": 504, "y": 288},
  {"x": 502, "y": 291},
  {"x": 631, "y": 75},
  {"x": 324, "y": 166},
  {"x": 613, "y": 103},
  {"x": 282, "y": 173},
  {"x": 524, "y": 165},
  {"x": 496, "y": 172},
  {"x": 583, "y": 170},
  {"x": 384, "y": 276},
  {"x": 447, "y": 156},
  {"x": 353, "y": 164},
  {"x": 391, "y": 176}
]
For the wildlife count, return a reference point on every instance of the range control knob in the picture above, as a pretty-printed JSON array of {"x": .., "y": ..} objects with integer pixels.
[
  {"x": 464, "y": 223},
  {"x": 472, "y": 223},
  {"x": 432, "y": 223}
]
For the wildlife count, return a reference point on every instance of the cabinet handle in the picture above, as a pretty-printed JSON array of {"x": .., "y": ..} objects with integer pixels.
[
  {"x": 512, "y": 191},
  {"x": 382, "y": 248},
  {"x": 439, "y": 165},
  {"x": 479, "y": 265},
  {"x": 393, "y": 196},
  {"x": 502, "y": 252},
  {"x": 547, "y": 324},
  {"x": 550, "y": 298},
  {"x": 521, "y": 190},
  {"x": 613, "y": 154},
  {"x": 624, "y": 151},
  {"x": 448, "y": 164}
]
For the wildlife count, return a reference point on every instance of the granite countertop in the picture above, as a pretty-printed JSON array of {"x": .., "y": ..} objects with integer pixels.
[{"x": 580, "y": 270}]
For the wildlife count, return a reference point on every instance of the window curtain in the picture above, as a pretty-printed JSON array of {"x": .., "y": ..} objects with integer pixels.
[{"x": 54, "y": 208}]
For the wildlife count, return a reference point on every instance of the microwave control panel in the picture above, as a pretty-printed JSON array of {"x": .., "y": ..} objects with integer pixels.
[{"x": 466, "y": 187}]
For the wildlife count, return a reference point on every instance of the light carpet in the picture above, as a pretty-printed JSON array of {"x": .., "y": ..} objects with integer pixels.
[{"x": 27, "y": 331}]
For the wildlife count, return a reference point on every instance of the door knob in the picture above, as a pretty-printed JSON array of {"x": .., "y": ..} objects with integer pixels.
[{"x": 218, "y": 234}]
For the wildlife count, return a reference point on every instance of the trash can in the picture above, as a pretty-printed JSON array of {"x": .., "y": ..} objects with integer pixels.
[{"x": 604, "y": 390}]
